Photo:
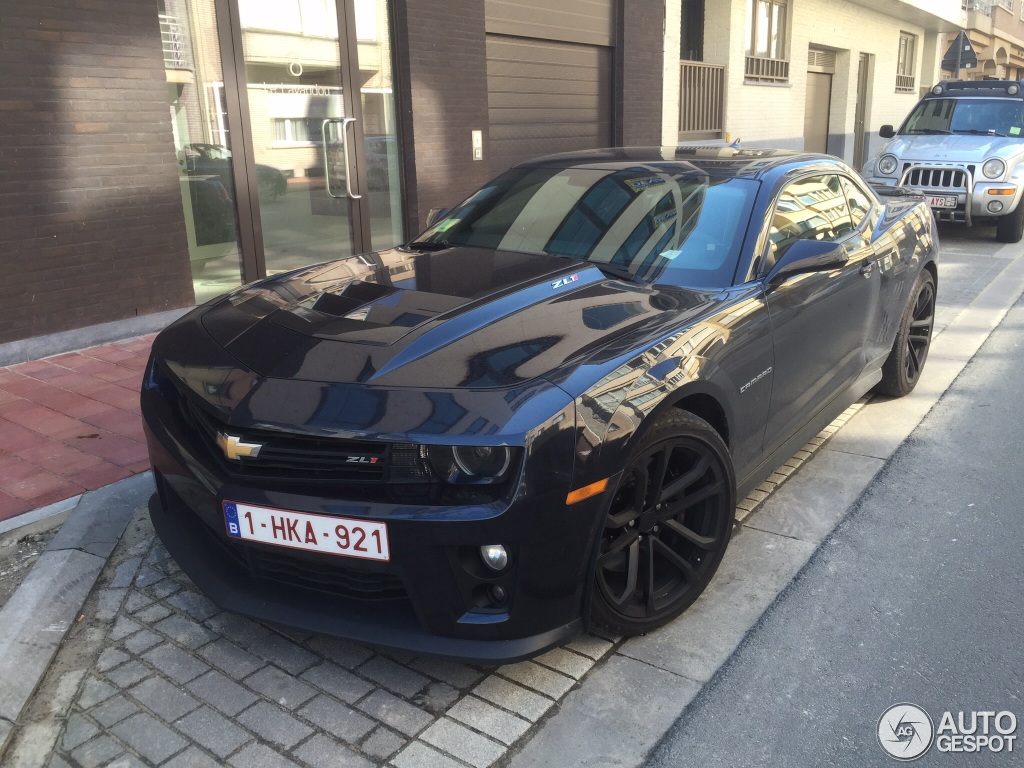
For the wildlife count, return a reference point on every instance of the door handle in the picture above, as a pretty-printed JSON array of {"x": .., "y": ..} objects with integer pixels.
[
  {"x": 345, "y": 122},
  {"x": 867, "y": 268},
  {"x": 327, "y": 157}
]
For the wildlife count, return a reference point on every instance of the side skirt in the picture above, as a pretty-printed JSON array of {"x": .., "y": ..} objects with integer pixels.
[{"x": 819, "y": 421}]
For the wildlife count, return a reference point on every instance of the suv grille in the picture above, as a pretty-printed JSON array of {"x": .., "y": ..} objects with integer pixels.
[{"x": 935, "y": 178}]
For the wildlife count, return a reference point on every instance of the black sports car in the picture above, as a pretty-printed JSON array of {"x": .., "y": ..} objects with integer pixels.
[{"x": 541, "y": 412}]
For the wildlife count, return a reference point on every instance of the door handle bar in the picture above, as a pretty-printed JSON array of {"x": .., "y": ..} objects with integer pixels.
[
  {"x": 345, "y": 122},
  {"x": 327, "y": 159}
]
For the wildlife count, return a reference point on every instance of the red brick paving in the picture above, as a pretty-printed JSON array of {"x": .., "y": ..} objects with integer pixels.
[{"x": 70, "y": 423}]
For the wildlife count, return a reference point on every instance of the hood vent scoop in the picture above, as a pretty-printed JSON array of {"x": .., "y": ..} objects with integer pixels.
[{"x": 355, "y": 295}]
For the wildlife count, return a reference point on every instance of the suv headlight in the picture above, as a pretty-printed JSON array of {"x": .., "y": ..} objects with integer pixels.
[
  {"x": 887, "y": 165},
  {"x": 993, "y": 169}
]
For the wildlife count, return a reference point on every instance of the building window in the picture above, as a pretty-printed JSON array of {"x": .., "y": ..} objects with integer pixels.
[
  {"x": 905, "y": 63},
  {"x": 766, "y": 41}
]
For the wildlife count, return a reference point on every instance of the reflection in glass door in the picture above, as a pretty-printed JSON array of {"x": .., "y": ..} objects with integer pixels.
[
  {"x": 321, "y": 117},
  {"x": 379, "y": 128},
  {"x": 195, "y": 93},
  {"x": 301, "y": 131}
]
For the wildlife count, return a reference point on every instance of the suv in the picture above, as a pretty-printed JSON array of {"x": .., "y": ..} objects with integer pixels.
[{"x": 962, "y": 147}]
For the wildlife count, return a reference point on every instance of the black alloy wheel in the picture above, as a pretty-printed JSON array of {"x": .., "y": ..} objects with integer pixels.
[
  {"x": 667, "y": 527},
  {"x": 902, "y": 369}
]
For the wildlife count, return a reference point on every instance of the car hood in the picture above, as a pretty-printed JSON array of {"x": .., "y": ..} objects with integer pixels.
[
  {"x": 457, "y": 318},
  {"x": 962, "y": 148}
]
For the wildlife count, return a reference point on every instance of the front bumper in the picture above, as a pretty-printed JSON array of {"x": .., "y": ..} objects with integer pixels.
[
  {"x": 972, "y": 197},
  {"x": 428, "y": 599}
]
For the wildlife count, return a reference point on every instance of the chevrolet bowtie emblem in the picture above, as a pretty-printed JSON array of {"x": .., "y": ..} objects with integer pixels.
[{"x": 235, "y": 449}]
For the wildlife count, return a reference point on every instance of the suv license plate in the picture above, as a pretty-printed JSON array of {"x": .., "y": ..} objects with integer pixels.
[
  {"x": 314, "y": 533},
  {"x": 942, "y": 202}
]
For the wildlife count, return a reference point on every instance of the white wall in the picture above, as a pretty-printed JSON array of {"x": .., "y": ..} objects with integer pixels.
[{"x": 773, "y": 114}]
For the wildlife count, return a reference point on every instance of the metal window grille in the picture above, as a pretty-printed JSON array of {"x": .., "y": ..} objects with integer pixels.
[
  {"x": 175, "y": 41},
  {"x": 766, "y": 70},
  {"x": 701, "y": 99}
]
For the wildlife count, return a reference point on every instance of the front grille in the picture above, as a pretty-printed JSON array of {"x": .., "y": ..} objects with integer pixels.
[
  {"x": 291, "y": 456},
  {"x": 935, "y": 178}
]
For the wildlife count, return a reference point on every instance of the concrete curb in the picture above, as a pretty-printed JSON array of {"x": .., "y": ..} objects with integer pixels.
[
  {"x": 35, "y": 619},
  {"x": 38, "y": 520},
  {"x": 647, "y": 682}
]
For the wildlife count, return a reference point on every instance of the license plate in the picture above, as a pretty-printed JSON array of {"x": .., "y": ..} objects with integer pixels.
[
  {"x": 942, "y": 201},
  {"x": 314, "y": 533}
]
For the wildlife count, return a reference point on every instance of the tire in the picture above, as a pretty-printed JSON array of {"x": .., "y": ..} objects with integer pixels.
[
  {"x": 1010, "y": 228},
  {"x": 902, "y": 369},
  {"x": 664, "y": 538}
]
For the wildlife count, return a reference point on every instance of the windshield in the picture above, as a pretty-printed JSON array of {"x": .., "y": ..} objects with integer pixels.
[
  {"x": 668, "y": 224},
  {"x": 994, "y": 117}
]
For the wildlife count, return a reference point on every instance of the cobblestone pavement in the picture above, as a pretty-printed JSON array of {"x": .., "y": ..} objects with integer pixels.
[
  {"x": 155, "y": 674},
  {"x": 173, "y": 680}
]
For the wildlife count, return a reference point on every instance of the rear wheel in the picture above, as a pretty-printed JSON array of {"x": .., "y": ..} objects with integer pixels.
[
  {"x": 667, "y": 527},
  {"x": 903, "y": 367},
  {"x": 1010, "y": 228}
]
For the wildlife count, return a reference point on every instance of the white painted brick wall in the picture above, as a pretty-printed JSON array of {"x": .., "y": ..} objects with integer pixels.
[{"x": 764, "y": 114}]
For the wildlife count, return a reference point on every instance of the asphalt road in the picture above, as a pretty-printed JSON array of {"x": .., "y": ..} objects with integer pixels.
[{"x": 916, "y": 597}]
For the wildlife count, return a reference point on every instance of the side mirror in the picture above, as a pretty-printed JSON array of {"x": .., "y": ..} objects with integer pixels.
[
  {"x": 807, "y": 256},
  {"x": 434, "y": 215},
  {"x": 886, "y": 131}
]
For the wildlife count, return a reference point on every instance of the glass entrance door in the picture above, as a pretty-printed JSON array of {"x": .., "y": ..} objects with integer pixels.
[
  {"x": 299, "y": 113},
  {"x": 326, "y": 183}
]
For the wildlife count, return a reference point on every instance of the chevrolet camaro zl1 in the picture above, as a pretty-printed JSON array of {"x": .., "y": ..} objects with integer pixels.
[{"x": 540, "y": 413}]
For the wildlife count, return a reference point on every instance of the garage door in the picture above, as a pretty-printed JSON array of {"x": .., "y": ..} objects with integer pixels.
[{"x": 546, "y": 96}]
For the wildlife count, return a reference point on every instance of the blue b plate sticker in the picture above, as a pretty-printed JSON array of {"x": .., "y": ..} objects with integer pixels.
[{"x": 231, "y": 520}]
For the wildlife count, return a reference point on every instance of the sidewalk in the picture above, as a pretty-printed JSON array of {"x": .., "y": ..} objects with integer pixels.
[
  {"x": 150, "y": 672},
  {"x": 70, "y": 424}
]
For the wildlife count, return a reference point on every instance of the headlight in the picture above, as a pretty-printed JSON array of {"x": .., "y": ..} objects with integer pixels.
[
  {"x": 472, "y": 464},
  {"x": 993, "y": 169},
  {"x": 887, "y": 165}
]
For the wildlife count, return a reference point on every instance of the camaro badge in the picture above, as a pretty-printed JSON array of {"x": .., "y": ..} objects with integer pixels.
[
  {"x": 235, "y": 449},
  {"x": 564, "y": 281}
]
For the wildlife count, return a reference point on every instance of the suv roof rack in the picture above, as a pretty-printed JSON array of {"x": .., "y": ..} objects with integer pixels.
[{"x": 1004, "y": 88}]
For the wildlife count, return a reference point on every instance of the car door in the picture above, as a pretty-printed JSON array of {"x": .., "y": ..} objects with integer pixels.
[{"x": 820, "y": 320}]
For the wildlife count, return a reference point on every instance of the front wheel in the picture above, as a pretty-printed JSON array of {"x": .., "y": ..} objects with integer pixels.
[
  {"x": 1010, "y": 228},
  {"x": 903, "y": 367},
  {"x": 667, "y": 527}
]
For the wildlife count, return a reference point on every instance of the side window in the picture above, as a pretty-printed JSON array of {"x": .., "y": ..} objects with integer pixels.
[
  {"x": 859, "y": 202},
  {"x": 813, "y": 208}
]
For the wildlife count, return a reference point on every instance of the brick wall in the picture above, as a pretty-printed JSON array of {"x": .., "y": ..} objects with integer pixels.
[
  {"x": 639, "y": 72},
  {"x": 442, "y": 78},
  {"x": 91, "y": 226}
]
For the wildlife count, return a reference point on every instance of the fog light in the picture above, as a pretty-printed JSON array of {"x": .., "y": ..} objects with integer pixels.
[
  {"x": 995, "y": 206},
  {"x": 497, "y": 594},
  {"x": 494, "y": 556}
]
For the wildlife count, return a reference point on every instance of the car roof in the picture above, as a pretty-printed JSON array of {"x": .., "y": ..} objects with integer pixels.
[
  {"x": 961, "y": 89},
  {"x": 729, "y": 161}
]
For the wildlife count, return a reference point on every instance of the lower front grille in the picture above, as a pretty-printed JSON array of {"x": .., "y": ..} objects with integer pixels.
[
  {"x": 330, "y": 577},
  {"x": 328, "y": 574}
]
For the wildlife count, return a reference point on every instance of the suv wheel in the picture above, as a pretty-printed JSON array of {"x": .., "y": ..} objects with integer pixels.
[{"x": 1010, "y": 228}]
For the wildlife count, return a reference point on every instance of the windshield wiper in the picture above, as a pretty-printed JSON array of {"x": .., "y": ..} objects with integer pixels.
[
  {"x": 430, "y": 245},
  {"x": 931, "y": 132},
  {"x": 609, "y": 269},
  {"x": 612, "y": 271},
  {"x": 979, "y": 132}
]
